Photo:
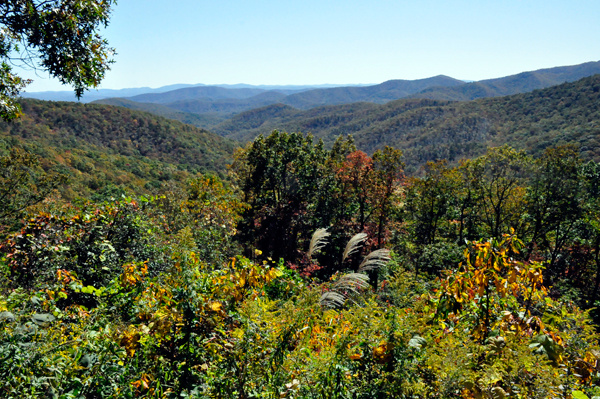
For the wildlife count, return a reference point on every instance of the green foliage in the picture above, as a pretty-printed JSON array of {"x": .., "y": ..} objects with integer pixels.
[
  {"x": 61, "y": 36},
  {"x": 149, "y": 297},
  {"x": 496, "y": 180},
  {"x": 430, "y": 201},
  {"x": 91, "y": 241},
  {"x": 98, "y": 146},
  {"x": 209, "y": 212},
  {"x": 431, "y": 130},
  {"x": 550, "y": 201},
  {"x": 22, "y": 184},
  {"x": 292, "y": 187},
  {"x": 555, "y": 205},
  {"x": 11, "y": 87},
  {"x": 280, "y": 176}
]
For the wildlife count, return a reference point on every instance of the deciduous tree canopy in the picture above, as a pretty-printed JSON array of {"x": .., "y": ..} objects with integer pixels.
[{"x": 58, "y": 36}]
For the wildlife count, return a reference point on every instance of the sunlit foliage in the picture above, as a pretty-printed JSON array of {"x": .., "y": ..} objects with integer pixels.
[
  {"x": 406, "y": 292},
  {"x": 58, "y": 36}
]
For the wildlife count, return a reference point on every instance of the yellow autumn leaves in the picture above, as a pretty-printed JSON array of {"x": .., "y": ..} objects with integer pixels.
[
  {"x": 244, "y": 278},
  {"x": 134, "y": 272},
  {"x": 491, "y": 281}
]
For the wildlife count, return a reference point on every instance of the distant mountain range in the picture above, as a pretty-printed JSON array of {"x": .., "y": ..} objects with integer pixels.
[
  {"x": 94, "y": 95},
  {"x": 227, "y": 102},
  {"x": 99, "y": 94},
  {"x": 216, "y": 105},
  {"x": 428, "y": 129},
  {"x": 425, "y": 129}
]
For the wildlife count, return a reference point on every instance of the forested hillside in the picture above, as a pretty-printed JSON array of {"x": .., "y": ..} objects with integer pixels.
[
  {"x": 314, "y": 273},
  {"x": 428, "y": 130},
  {"x": 204, "y": 121},
  {"x": 96, "y": 145}
]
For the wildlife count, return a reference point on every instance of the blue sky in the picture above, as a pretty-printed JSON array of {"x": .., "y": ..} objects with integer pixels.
[{"x": 162, "y": 42}]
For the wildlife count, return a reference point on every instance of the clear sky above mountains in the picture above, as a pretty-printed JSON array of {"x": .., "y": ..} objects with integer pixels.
[{"x": 162, "y": 42}]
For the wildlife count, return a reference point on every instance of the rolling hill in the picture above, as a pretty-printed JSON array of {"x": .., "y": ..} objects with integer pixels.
[
  {"x": 204, "y": 121},
  {"x": 428, "y": 129},
  {"x": 97, "y": 145}
]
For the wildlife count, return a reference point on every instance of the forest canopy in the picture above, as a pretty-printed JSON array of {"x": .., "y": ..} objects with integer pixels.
[
  {"x": 141, "y": 257},
  {"x": 312, "y": 273}
]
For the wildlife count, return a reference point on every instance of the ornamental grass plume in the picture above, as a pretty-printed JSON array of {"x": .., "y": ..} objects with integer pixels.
[
  {"x": 342, "y": 289},
  {"x": 374, "y": 260},
  {"x": 354, "y": 244},
  {"x": 350, "y": 283},
  {"x": 318, "y": 241}
]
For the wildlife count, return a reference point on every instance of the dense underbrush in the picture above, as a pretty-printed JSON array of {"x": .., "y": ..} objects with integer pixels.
[
  {"x": 313, "y": 274},
  {"x": 255, "y": 329}
]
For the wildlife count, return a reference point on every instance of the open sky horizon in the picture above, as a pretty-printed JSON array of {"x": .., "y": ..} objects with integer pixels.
[{"x": 339, "y": 42}]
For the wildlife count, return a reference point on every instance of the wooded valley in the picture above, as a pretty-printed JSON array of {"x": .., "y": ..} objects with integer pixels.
[{"x": 412, "y": 239}]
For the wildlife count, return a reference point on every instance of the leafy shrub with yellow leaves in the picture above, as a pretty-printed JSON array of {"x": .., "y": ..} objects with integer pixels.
[{"x": 164, "y": 322}]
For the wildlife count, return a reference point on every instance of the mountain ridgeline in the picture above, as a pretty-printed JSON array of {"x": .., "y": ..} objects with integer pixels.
[
  {"x": 217, "y": 104},
  {"x": 381, "y": 93},
  {"x": 426, "y": 122},
  {"x": 432, "y": 129},
  {"x": 228, "y": 102},
  {"x": 521, "y": 83}
]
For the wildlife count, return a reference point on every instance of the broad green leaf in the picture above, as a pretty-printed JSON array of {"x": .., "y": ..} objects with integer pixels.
[
  {"x": 7, "y": 316},
  {"x": 417, "y": 342},
  {"x": 42, "y": 318},
  {"x": 579, "y": 395}
]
